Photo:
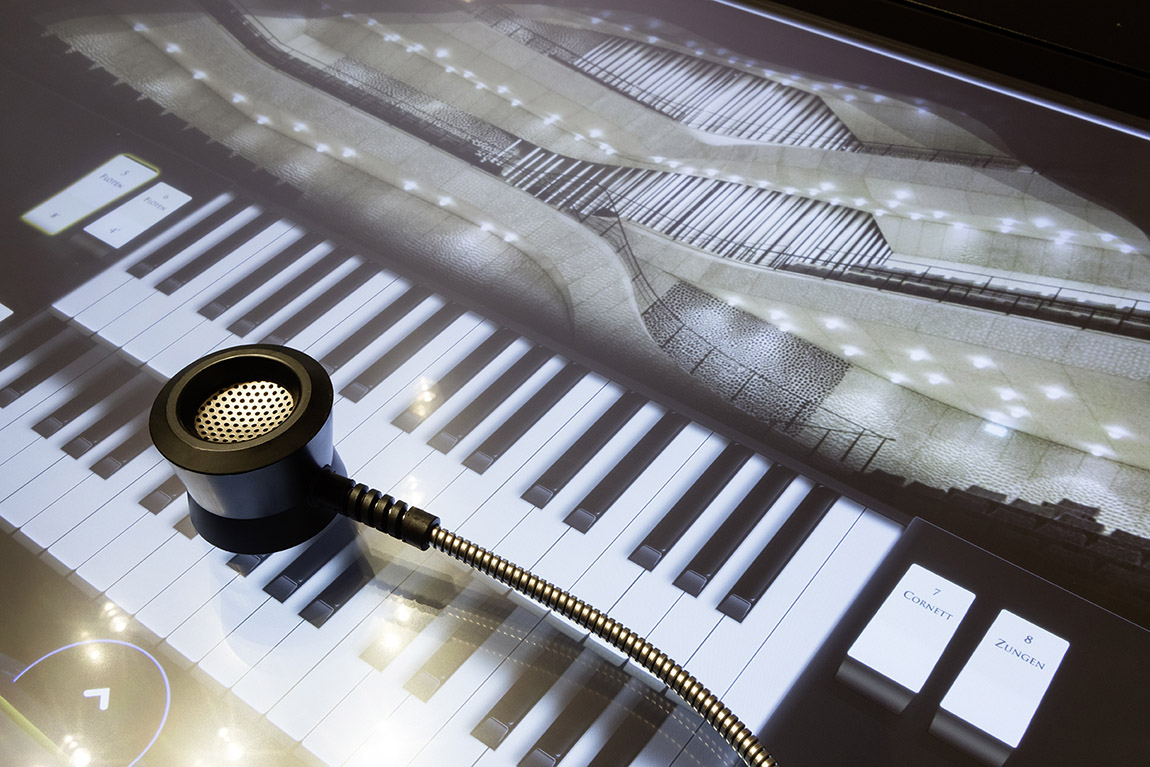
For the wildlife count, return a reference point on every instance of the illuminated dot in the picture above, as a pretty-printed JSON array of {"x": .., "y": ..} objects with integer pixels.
[
  {"x": 833, "y": 323},
  {"x": 198, "y": 74},
  {"x": 486, "y": 227},
  {"x": 516, "y": 103},
  {"x": 1054, "y": 392},
  {"x": 982, "y": 363},
  {"x": 902, "y": 194},
  {"x": 1007, "y": 394},
  {"x": 777, "y": 314},
  {"x": 1018, "y": 411},
  {"x": 299, "y": 127},
  {"x": 172, "y": 48},
  {"x": 348, "y": 152},
  {"x": 1106, "y": 237},
  {"x": 918, "y": 355},
  {"x": 1116, "y": 432},
  {"x": 996, "y": 429},
  {"x": 410, "y": 186},
  {"x": 939, "y": 214},
  {"x": 827, "y": 186},
  {"x": 442, "y": 53},
  {"x": 595, "y": 133},
  {"x": 321, "y": 148},
  {"x": 262, "y": 120},
  {"x": 898, "y": 378},
  {"x": 502, "y": 90},
  {"x": 139, "y": 26},
  {"x": 851, "y": 351},
  {"x": 510, "y": 237},
  {"x": 444, "y": 201},
  {"x": 1042, "y": 222},
  {"x": 1100, "y": 451},
  {"x": 935, "y": 378}
]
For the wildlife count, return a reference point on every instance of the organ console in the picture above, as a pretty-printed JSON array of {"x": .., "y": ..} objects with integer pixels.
[{"x": 816, "y": 364}]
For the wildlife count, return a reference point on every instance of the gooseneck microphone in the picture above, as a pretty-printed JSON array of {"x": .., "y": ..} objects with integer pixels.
[{"x": 249, "y": 432}]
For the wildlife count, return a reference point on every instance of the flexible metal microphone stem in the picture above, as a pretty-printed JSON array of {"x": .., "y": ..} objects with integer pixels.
[
  {"x": 249, "y": 432},
  {"x": 422, "y": 530}
]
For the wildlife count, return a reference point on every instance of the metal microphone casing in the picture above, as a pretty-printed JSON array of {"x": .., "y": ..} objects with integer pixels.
[{"x": 250, "y": 495}]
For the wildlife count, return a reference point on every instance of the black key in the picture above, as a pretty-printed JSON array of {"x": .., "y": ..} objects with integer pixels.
[
  {"x": 319, "y": 552},
  {"x": 401, "y": 352},
  {"x": 627, "y": 470},
  {"x": 266, "y": 271},
  {"x": 524, "y": 418},
  {"x": 679, "y": 518},
  {"x": 777, "y": 553},
  {"x": 34, "y": 334},
  {"x": 260, "y": 313},
  {"x": 734, "y": 530},
  {"x": 105, "y": 381},
  {"x": 216, "y": 253},
  {"x": 137, "y": 442},
  {"x": 374, "y": 327},
  {"x": 412, "y": 606},
  {"x": 322, "y": 304},
  {"x": 556, "y": 477},
  {"x": 345, "y": 586},
  {"x": 160, "y": 498},
  {"x": 136, "y": 399},
  {"x": 552, "y": 657},
  {"x": 189, "y": 236},
  {"x": 54, "y": 360},
  {"x": 577, "y": 716},
  {"x": 491, "y": 397},
  {"x": 185, "y": 527},
  {"x": 643, "y": 720},
  {"x": 473, "y": 628},
  {"x": 467, "y": 368},
  {"x": 244, "y": 564}
]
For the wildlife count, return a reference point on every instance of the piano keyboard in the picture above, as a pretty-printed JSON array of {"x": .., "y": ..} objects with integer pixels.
[
  {"x": 359, "y": 648},
  {"x": 731, "y": 219}
]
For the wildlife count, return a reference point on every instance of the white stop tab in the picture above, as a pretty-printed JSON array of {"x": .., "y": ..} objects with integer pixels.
[
  {"x": 1001, "y": 686},
  {"x": 909, "y": 632}
]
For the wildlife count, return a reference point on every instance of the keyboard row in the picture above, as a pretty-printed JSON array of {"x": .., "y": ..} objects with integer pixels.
[{"x": 636, "y": 508}]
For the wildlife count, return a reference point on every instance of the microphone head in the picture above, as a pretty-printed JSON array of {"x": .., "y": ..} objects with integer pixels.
[{"x": 248, "y": 430}]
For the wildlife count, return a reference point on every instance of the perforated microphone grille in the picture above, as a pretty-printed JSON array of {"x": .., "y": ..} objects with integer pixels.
[{"x": 243, "y": 411}]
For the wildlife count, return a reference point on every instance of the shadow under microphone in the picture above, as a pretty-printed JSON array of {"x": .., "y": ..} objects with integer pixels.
[{"x": 249, "y": 432}]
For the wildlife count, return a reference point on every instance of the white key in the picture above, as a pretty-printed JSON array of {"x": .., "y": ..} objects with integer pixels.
[
  {"x": 35, "y": 398},
  {"x": 574, "y": 554},
  {"x": 367, "y": 426},
  {"x": 460, "y": 501},
  {"x": 291, "y": 658},
  {"x": 335, "y": 324},
  {"x": 111, "y": 519},
  {"x": 390, "y": 464},
  {"x": 122, "y": 303},
  {"x": 187, "y": 593},
  {"x": 789, "y": 648},
  {"x": 160, "y": 568},
  {"x": 731, "y": 645},
  {"x": 250, "y": 642},
  {"x": 74, "y": 505},
  {"x": 143, "y": 336},
  {"x": 99, "y": 286},
  {"x": 436, "y": 470},
  {"x": 608, "y": 577},
  {"x": 542, "y": 528},
  {"x": 124, "y": 552}
]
